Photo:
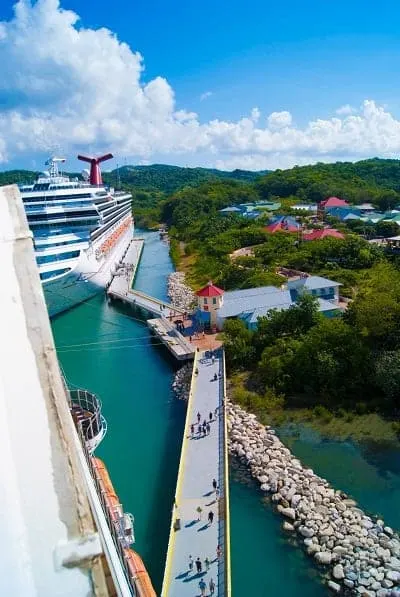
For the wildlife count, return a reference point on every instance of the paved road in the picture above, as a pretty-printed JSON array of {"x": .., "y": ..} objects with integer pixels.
[{"x": 202, "y": 460}]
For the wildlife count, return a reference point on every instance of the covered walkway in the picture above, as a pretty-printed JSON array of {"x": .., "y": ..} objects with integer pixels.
[{"x": 200, "y": 518}]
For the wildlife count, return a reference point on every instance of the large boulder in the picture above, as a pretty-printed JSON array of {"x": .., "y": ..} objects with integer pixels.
[{"x": 323, "y": 557}]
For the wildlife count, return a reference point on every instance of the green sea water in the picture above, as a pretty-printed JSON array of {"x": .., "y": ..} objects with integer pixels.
[{"x": 105, "y": 349}]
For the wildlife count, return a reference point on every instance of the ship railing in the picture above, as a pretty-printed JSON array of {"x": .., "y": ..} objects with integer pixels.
[
  {"x": 113, "y": 521},
  {"x": 86, "y": 411}
]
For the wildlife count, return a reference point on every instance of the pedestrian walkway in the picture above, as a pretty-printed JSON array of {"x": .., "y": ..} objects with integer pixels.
[
  {"x": 121, "y": 285},
  {"x": 203, "y": 459}
]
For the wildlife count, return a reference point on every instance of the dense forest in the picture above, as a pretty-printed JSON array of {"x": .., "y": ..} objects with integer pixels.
[{"x": 168, "y": 179}]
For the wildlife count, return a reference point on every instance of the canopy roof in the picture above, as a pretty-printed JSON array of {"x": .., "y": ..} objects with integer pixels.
[{"x": 210, "y": 290}]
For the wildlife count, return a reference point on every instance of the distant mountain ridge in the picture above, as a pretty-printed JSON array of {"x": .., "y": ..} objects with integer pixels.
[
  {"x": 169, "y": 179},
  {"x": 155, "y": 177}
]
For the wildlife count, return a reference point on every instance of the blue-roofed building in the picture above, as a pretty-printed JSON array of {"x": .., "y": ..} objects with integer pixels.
[
  {"x": 250, "y": 304},
  {"x": 227, "y": 211},
  {"x": 250, "y": 210}
]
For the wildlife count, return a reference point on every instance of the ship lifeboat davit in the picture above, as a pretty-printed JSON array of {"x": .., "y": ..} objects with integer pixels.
[{"x": 137, "y": 570}]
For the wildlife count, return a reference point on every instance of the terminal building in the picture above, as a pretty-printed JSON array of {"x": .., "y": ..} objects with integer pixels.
[{"x": 215, "y": 305}]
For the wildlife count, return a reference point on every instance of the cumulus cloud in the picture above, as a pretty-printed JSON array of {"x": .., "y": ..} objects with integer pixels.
[
  {"x": 346, "y": 110},
  {"x": 205, "y": 95},
  {"x": 279, "y": 120},
  {"x": 64, "y": 85}
]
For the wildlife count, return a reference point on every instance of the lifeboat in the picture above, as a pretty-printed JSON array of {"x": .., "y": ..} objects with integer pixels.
[{"x": 135, "y": 566}]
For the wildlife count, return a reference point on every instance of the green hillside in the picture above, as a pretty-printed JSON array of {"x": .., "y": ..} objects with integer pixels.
[
  {"x": 157, "y": 177},
  {"x": 168, "y": 179},
  {"x": 374, "y": 180}
]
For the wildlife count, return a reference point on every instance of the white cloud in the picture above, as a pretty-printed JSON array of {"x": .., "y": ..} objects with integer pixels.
[
  {"x": 346, "y": 110},
  {"x": 279, "y": 120},
  {"x": 205, "y": 95},
  {"x": 82, "y": 90}
]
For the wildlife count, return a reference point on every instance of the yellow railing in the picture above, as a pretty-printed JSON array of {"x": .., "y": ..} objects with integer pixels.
[
  {"x": 227, "y": 509},
  {"x": 175, "y": 509}
]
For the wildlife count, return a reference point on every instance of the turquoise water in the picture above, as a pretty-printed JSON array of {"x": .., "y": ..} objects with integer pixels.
[
  {"x": 369, "y": 471},
  {"x": 132, "y": 375}
]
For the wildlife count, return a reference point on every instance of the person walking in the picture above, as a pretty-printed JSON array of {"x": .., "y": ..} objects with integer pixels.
[
  {"x": 198, "y": 417},
  {"x": 199, "y": 430},
  {"x": 190, "y": 564},
  {"x": 208, "y": 428},
  {"x": 214, "y": 484},
  {"x": 192, "y": 430},
  {"x": 204, "y": 428},
  {"x": 213, "y": 359},
  {"x": 198, "y": 566},
  {"x": 202, "y": 587},
  {"x": 211, "y": 586},
  {"x": 199, "y": 510},
  {"x": 217, "y": 494},
  {"x": 210, "y": 517},
  {"x": 207, "y": 564},
  {"x": 210, "y": 416},
  {"x": 219, "y": 551}
]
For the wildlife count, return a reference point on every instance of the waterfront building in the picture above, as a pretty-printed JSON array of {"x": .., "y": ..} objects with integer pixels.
[
  {"x": 81, "y": 229},
  {"x": 210, "y": 299},
  {"x": 252, "y": 303}
]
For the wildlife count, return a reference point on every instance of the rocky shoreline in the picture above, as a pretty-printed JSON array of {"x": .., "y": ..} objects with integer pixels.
[
  {"x": 182, "y": 380},
  {"x": 179, "y": 293},
  {"x": 361, "y": 554}
]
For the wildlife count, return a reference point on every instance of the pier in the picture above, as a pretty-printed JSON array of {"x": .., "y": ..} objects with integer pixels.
[
  {"x": 163, "y": 314},
  {"x": 203, "y": 458},
  {"x": 176, "y": 343}
]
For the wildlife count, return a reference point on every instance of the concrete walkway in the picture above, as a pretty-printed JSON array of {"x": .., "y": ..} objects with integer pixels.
[{"x": 203, "y": 459}]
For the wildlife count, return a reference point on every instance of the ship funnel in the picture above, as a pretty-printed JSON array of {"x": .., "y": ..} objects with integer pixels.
[{"x": 95, "y": 173}]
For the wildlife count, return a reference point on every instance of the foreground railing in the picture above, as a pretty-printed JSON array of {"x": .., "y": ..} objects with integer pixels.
[
  {"x": 86, "y": 410},
  {"x": 113, "y": 519}
]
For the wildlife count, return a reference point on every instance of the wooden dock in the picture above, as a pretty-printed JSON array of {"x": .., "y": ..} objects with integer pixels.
[{"x": 176, "y": 343}]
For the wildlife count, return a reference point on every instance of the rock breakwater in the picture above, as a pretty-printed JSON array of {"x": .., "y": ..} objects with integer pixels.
[
  {"x": 360, "y": 554},
  {"x": 179, "y": 293},
  {"x": 182, "y": 380}
]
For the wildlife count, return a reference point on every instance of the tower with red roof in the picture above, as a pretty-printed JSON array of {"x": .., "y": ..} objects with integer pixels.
[{"x": 210, "y": 299}]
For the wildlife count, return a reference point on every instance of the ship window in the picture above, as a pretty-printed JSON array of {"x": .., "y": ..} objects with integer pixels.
[
  {"x": 57, "y": 257},
  {"x": 54, "y": 273}
]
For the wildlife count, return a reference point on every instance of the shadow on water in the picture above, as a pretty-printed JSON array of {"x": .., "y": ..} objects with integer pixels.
[{"x": 158, "y": 524}]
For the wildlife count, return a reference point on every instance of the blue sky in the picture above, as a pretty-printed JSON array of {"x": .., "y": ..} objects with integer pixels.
[{"x": 307, "y": 59}]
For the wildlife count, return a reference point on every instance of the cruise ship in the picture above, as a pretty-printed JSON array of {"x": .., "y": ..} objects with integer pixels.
[{"x": 81, "y": 230}]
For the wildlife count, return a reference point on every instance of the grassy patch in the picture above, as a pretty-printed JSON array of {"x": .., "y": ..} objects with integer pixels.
[{"x": 271, "y": 410}]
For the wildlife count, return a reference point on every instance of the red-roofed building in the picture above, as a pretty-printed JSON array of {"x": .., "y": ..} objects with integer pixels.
[
  {"x": 210, "y": 290},
  {"x": 325, "y": 233},
  {"x": 210, "y": 299},
  {"x": 331, "y": 202},
  {"x": 283, "y": 224}
]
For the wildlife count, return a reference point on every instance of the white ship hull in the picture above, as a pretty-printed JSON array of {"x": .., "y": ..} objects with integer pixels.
[{"x": 87, "y": 278}]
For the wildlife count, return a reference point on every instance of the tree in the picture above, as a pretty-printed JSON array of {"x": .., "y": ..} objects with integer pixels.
[
  {"x": 387, "y": 375},
  {"x": 238, "y": 344},
  {"x": 292, "y": 322},
  {"x": 332, "y": 362},
  {"x": 375, "y": 312},
  {"x": 387, "y": 229}
]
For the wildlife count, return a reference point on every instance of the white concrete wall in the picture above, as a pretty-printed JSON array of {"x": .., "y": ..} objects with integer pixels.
[{"x": 43, "y": 504}]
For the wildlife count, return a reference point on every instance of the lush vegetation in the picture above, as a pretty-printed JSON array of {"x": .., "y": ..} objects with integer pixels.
[
  {"x": 168, "y": 179},
  {"x": 297, "y": 358},
  {"x": 373, "y": 180}
]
